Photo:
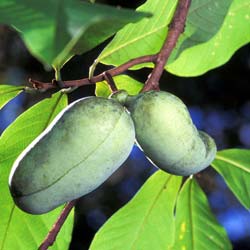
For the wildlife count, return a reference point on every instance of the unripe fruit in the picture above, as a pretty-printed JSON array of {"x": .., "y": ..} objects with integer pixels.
[
  {"x": 166, "y": 133},
  {"x": 79, "y": 150}
]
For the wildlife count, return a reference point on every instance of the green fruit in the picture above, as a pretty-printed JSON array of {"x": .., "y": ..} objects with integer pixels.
[
  {"x": 166, "y": 133},
  {"x": 79, "y": 150}
]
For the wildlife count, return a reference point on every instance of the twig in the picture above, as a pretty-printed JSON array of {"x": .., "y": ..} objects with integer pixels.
[
  {"x": 86, "y": 81},
  {"x": 176, "y": 27},
  {"x": 110, "y": 81},
  {"x": 51, "y": 237}
]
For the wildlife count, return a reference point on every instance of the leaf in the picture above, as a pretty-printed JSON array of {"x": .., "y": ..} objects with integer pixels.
[
  {"x": 143, "y": 38},
  {"x": 234, "y": 166},
  {"x": 7, "y": 93},
  {"x": 28, "y": 126},
  {"x": 196, "y": 226},
  {"x": 19, "y": 230},
  {"x": 54, "y": 31},
  {"x": 214, "y": 31},
  {"x": 22, "y": 231},
  {"x": 233, "y": 34},
  {"x": 146, "y": 222},
  {"x": 124, "y": 82},
  {"x": 146, "y": 37}
]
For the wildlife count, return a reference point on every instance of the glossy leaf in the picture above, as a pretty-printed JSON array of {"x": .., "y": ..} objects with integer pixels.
[
  {"x": 124, "y": 82},
  {"x": 19, "y": 230},
  {"x": 142, "y": 38},
  {"x": 195, "y": 226},
  {"x": 234, "y": 166},
  {"x": 233, "y": 34},
  {"x": 146, "y": 222},
  {"x": 7, "y": 93},
  {"x": 214, "y": 31},
  {"x": 147, "y": 36},
  {"x": 54, "y": 31}
]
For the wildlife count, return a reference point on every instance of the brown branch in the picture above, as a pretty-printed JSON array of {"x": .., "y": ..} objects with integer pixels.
[
  {"x": 176, "y": 27},
  {"x": 51, "y": 237},
  {"x": 109, "y": 79},
  {"x": 86, "y": 81}
]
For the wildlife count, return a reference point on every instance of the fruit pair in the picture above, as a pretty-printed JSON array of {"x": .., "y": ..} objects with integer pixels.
[{"x": 93, "y": 136}]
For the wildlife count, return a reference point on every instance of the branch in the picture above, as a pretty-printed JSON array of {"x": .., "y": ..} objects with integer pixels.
[
  {"x": 109, "y": 79},
  {"x": 51, "y": 237},
  {"x": 176, "y": 27},
  {"x": 86, "y": 81}
]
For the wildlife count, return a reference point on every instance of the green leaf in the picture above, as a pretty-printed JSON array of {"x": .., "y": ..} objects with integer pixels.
[
  {"x": 147, "y": 36},
  {"x": 22, "y": 231},
  {"x": 7, "y": 93},
  {"x": 124, "y": 82},
  {"x": 144, "y": 37},
  {"x": 146, "y": 222},
  {"x": 234, "y": 166},
  {"x": 28, "y": 126},
  {"x": 233, "y": 34},
  {"x": 214, "y": 31},
  {"x": 196, "y": 226},
  {"x": 19, "y": 230},
  {"x": 54, "y": 31}
]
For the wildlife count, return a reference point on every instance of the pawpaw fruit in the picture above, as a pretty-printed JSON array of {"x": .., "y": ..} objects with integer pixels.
[
  {"x": 166, "y": 133},
  {"x": 76, "y": 153}
]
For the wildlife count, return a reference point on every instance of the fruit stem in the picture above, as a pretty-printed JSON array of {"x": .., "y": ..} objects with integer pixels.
[
  {"x": 109, "y": 79},
  {"x": 51, "y": 236}
]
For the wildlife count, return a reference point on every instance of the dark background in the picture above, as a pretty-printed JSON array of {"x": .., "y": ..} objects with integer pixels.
[{"x": 219, "y": 104}]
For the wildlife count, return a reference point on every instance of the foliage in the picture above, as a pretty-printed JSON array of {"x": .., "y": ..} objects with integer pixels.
[
  {"x": 165, "y": 213},
  {"x": 233, "y": 165},
  {"x": 54, "y": 31},
  {"x": 140, "y": 215},
  {"x": 212, "y": 34}
]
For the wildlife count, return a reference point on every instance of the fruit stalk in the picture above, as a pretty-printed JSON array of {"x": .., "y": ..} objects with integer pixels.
[{"x": 51, "y": 236}]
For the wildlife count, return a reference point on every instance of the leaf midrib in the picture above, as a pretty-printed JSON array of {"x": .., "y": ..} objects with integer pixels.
[
  {"x": 7, "y": 227},
  {"x": 17, "y": 89},
  {"x": 148, "y": 213},
  {"x": 232, "y": 162},
  {"x": 191, "y": 213}
]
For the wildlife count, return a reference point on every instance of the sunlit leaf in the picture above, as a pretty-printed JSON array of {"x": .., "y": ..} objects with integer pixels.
[
  {"x": 233, "y": 34},
  {"x": 206, "y": 19},
  {"x": 19, "y": 230},
  {"x": 7, "y": 93},
  {"x": 234, "y": 166},
  {"x": 124, "y": 82},
  {"x": 196, "y": 226},
  {"x": 144, "y": 37},
  {"x": 54, "y": 31},
  {"x": 146, "y": 222}
]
